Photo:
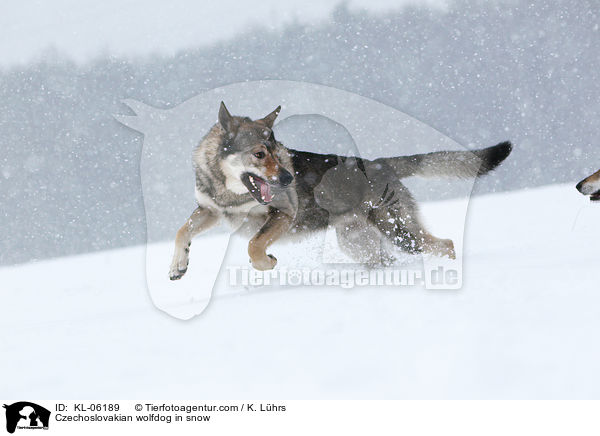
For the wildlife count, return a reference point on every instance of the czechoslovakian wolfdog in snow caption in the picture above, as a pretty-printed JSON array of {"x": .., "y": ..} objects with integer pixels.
[
  {"x": 245, "y": 176},
  {"x": 590, "y": 186}
]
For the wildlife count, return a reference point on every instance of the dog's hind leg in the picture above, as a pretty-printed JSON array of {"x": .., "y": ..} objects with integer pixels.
[
  {"x": 276, "y": 225},
  {"x": 362, "y": 241},
  {"x": 201, "y": 219},
  {"x": 400, "y": 223}
]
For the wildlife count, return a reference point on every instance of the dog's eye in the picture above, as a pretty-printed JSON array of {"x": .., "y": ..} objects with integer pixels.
[
  {"x": 266, "y": 133},
  {"x": 259, "y": 154}
]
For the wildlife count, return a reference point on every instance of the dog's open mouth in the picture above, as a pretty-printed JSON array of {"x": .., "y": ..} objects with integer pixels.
[
  {"x": 258, "y": 187},
  {"x": 595, "y": 196}
]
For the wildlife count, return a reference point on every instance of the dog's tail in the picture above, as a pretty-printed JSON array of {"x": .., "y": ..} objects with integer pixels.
[{"x": 461, "y": 164}]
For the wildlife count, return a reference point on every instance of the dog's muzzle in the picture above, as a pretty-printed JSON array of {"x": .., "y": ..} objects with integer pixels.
[{"x": 585, "y": 188}]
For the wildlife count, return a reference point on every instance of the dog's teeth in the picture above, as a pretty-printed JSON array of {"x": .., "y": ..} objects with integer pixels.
[{"x": 252, "y": 181}]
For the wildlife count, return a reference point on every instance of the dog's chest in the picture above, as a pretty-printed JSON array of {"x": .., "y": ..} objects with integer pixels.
[
  {"x": 235, "y": 215},
  {"x": 249, "y": 218}
]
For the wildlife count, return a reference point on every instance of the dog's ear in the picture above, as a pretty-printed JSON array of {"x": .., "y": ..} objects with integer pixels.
[
  {"x": 270, "y": 119},
  {"x": 225, "y": 118}
]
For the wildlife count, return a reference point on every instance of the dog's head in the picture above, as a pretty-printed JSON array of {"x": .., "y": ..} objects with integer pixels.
[
  {"x": 590, "y": 186},
  {"x": 251, "y": 158}
]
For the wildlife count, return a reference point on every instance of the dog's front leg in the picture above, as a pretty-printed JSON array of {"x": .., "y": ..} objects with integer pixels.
[
  {"x": 277, "y": 224},
  {"x": 200, "y": 220}
]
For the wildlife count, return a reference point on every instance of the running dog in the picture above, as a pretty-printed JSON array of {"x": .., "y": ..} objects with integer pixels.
[
  {"x": 590, "y": 186},
  {"x": 247, "y": 178}
]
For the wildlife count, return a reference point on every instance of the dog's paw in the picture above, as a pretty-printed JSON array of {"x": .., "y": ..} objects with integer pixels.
[
  {"x": 441, "y": 248},
  {"x": 264, "y": 263},
  {"x": 451, "y": 253},
  {"x": 446, "y": 248},
  {"x": 176, "y": 274},
  {"x": 387, "y": 260},
  {"x": 179, "y": 266}
]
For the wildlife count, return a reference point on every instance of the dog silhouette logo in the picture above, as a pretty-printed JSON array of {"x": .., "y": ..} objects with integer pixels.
[{"x": 26, "y": 415}]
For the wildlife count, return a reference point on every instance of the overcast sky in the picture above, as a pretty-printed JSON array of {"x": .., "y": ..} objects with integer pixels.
[{"x": 83, "y": 29}]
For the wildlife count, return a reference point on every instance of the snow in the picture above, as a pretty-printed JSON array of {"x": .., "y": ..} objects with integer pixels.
[{"x": 523, "y": 326}]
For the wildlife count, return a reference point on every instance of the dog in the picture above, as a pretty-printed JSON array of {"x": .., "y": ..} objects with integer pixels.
[
  {"x": 249, "y": 179},
  {"x": 590, "y": 186}
]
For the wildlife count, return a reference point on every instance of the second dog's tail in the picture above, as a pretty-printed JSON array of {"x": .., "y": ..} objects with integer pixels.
[{"x": 461, "y": 164}]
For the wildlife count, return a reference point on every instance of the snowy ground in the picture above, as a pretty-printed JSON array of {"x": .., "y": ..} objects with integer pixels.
[{"x": 524, "y": 325}]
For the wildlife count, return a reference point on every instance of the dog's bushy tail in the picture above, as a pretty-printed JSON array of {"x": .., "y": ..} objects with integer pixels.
[{"x": 461, "y": 164}]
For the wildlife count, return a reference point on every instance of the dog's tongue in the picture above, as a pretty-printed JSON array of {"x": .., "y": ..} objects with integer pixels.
[{"x": 265, "y": 192}]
